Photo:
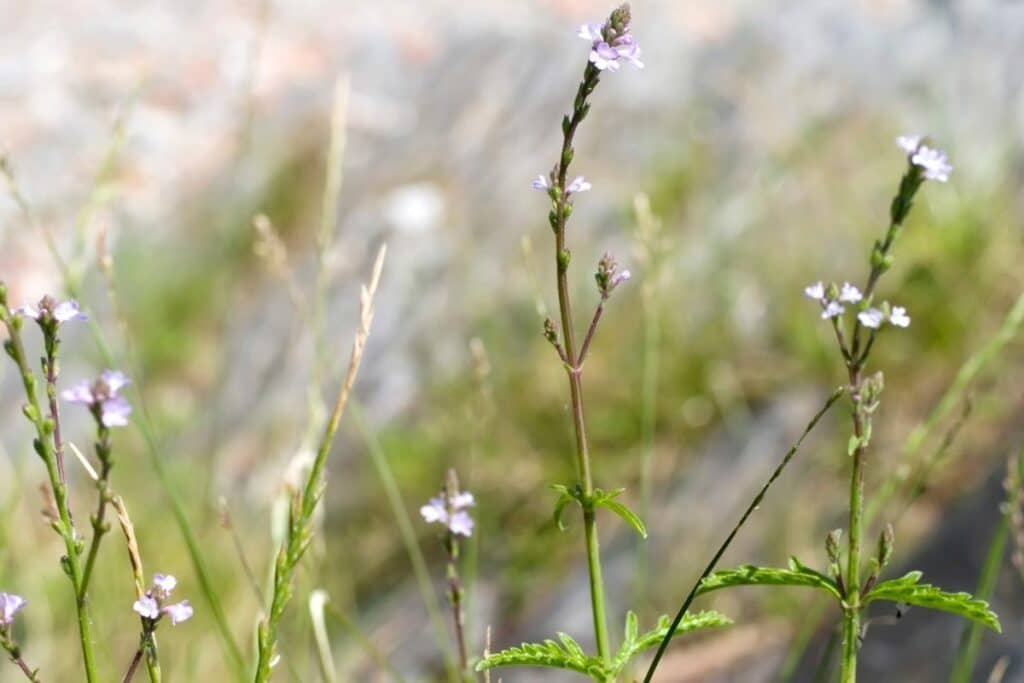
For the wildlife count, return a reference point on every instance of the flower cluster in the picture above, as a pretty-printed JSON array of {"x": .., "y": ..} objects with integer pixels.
[
  {"x": 933, "y": 162},
  {"x": 451, "y": 512},
  {"x": 611, "y": 42},
  {"x": 608, "y": 276},
  {"x": 50, "y": 311},
  {"x": 10, "y": 605},
  {"x": 832, "y": 299},
  {"x": 151, "y": 605},
  {"x": 102, "y": 398}
]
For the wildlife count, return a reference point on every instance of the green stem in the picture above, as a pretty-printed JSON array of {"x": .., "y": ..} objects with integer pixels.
[{"x": 852, "y": 605}]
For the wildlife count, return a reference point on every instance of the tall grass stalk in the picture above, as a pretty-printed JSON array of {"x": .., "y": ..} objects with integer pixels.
[{"x": 306, "y": 499}]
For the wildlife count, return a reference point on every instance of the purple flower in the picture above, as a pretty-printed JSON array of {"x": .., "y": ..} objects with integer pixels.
[
  {"x": 579, "y": 184},
  {"x": 147, "y": 607},
  {"x": 163, "y": 584},
  {"x": 178, "y": 612},
  {"x": 541, "y": 183},
  {"x": 609, "y": 44},
  {"x": 102, "y": 396},
  {"x": 50, "y": 310},
  {"x": 872, "y": 317},
  {"x": 451, "y": 513},
  {"x": 10, "y": 604}
]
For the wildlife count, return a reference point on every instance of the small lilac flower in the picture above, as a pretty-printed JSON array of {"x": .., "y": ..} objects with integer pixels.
[
  {"x": 103, "y": 395},
  {"x": 832, "y": 309},
  {"x": 178, "y": 612},
  {"x": 609, "y": 44},
  {"x": 163, "y": 584},
  {"x": 872, "y": 317},
  {"x": 815, "y": 291},
  {"x": 48, "y": 309},
  {"x": 10, "y": 605},
  {"x": 592, "y": 32},
  {"x": 461, "y": 523},
  {"x": 579, "y": 184},
  {"x": 909, "y": 143},
  {"x": 933, "y": 162},
  {"x": 850, "y": 294},
  {"x": 899, "y": 317},
  {"x": 541, "y": 183},
  {"x": 458, "y": 520},
  {"x": 147, "y": 607}
]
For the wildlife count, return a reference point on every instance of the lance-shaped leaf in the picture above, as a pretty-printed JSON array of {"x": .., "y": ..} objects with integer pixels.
[
  {"x": 908, "y": 590},
  {"x": 749, "y": 575},
  {"x": 566, "y": 655},
  {"x": 634, "y": 643},
  {"x": 606, "y": 499}
]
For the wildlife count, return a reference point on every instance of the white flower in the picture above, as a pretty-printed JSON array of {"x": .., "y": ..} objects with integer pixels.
[
  {"x": 832, "y": 309},
  {"x": 579, "y": 184},
  {"x": 933, "y": 162},
  {"x": 147, "y": 607},
  {"x": 899, "y": 317},
  {"x": 872, "y": 317},
  {"x": 909, "y": 143},
  {"x": 815, "y": 291},
  {"x": 850, "y": 294},
  {"x": 178, "y": 612},
  {"x": 604, "y": 56},
  {"x": 541, "y": 183},
  {"x": 461, "y": 523}
]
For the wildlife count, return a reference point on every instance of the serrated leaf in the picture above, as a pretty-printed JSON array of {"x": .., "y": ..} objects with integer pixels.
[
  {"x": 749, "y": 575},
  {"x": 637, "y": 644},
  {"x": 906, "y": 589},
  {"x": 624, "y": 512},
  {"x": 568, "y": 656}
]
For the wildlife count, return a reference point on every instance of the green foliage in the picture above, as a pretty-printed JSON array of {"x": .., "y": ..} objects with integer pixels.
[
  {"x": 565, "y": 655},
  {"x": 568, "y": 654},
  {"x": 748, "y": 575},
  {"x": 635, "y": 643},
  {"x": 906, "y": 589},
  {"x": 607, "y": 500},
  {"x": 600, "y": 498}
]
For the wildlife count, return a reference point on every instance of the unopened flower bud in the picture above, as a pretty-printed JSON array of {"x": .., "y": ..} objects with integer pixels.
[
  {"x": 885, "y": 545},
  {"x": 832, "y": 545},
  {"x": 550, "y": 333}
]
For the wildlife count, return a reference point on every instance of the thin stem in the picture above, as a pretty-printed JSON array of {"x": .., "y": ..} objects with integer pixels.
[
  {"x": 133, "y": 667},
  {"x": 45, "y": 447},
  {"x": 14, "y": 652},
  {"x": 590, "y": 333},
  {"x": 852, "y": 597},
  {"x": 561, "y": 212},
  {"x": 732, "y": 534},
  {"x": 99, "y": 528}
]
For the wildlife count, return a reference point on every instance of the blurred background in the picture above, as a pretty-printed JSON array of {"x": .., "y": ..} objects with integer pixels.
[{"x": 754, "y": 154}]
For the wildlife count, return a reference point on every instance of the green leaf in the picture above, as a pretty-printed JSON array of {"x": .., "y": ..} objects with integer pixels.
[
  {"x": 749, "y": 575},
  {"x": 906, "y": 589},
  {"x": 566, "y": 496},
  {"x": 634, "y": 644},
  {"x": 568, "y": 655},
  {"x": 607, "y": 500}
]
